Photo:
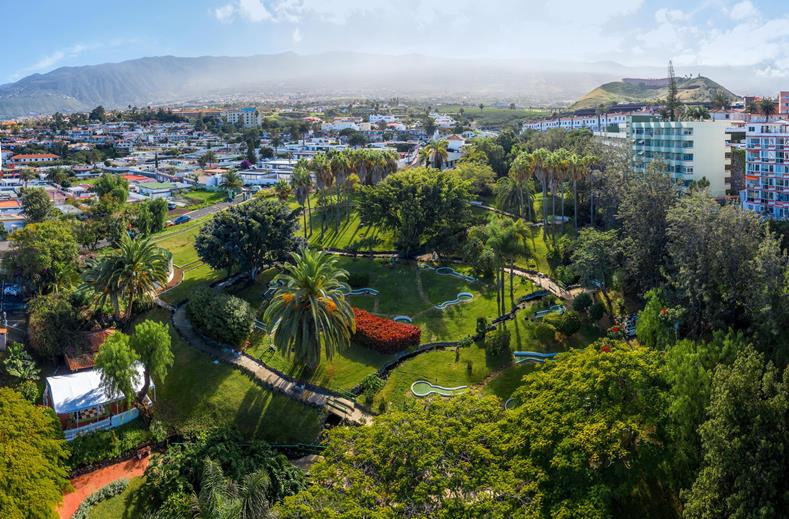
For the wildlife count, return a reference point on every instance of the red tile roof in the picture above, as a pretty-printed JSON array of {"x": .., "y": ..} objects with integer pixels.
[
  {"x": 9, "y": 204},
  {"x": 81, "y": 354},
  {"x": 36, "y": 156}
]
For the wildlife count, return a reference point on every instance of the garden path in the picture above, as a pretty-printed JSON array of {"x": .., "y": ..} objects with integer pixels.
[
  {"x": 86, "y": 484},
  {"x": 339, "y": 406}
]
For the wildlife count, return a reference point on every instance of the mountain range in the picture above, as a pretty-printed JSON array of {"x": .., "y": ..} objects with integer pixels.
[{"x": 208, "y": 79}]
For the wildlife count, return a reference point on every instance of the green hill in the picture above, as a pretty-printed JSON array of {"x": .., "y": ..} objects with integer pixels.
[{"x": 689, "y": 90}]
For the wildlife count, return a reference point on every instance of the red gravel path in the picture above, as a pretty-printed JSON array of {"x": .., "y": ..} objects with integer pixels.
[{"x": 86, "y": 484}]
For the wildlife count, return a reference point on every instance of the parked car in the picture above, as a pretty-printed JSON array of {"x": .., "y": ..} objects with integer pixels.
[
  {"x": 182, "y": 219},
  {"x": 172, "y": 205}
]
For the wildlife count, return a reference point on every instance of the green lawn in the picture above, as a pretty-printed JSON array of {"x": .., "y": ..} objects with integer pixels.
[
  {"x": 199, "y": 394},
  {"x": 129, "y": 504},
  {"x": 399, "y": 295},
  {"x": 197, "y": 199},
  {"x": 508, "y": 380},
  {"x": 347, "y": 234},
  {"x": 181, "y": 242},
  {"x": 195, "y": 278}
]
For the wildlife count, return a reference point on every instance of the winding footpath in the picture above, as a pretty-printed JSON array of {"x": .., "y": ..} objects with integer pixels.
[
  {"x": 342, "y": 407},
  {"x": 86, "y": 484}
]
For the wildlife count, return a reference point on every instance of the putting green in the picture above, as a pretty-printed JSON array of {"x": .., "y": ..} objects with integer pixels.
[{"x": 424, "y": 388}]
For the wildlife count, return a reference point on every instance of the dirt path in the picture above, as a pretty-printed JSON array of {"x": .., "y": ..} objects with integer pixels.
[{"x": 86, "y": 484}]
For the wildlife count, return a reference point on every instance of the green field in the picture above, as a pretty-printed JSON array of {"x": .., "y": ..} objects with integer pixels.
[
  {"x": 347, "y": 234},
  {"x": 199, "y": 394},
  {"x": 129, "y": 504},
  {"x": 491, "y": 116}
]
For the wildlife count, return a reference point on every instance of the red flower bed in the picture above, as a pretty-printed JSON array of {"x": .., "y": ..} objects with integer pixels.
[{"x": 384, "y": 335}]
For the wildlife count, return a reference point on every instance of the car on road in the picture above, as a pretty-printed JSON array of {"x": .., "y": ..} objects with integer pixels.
[{"x": 182, "y": 219}]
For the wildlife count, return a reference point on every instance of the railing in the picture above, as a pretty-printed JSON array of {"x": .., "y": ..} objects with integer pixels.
[{"x": 108, "y": 423}]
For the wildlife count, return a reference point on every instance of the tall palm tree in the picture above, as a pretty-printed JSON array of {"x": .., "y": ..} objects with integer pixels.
[
  {"x": 767, "y": 106},
  {"x": 321, "y": 166},
  {"x": 435, "y": 154},
  {"x": 129, "y": 273},
  {"x": 301, "y": 182},
  {"x": 309, "y": 312},
  {"x": 520, "y": 173},
  {"x": 222, "y": 498},
  {"x": 541, "y": 161},
  {"x": 340, "y": 165},
  {"x": 282, "y": 189}
]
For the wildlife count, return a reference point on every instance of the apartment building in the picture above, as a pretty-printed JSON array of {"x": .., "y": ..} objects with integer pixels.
[
  {"x": 690, "y": 150},
  {"x": 783, "y": 102},
  {"x": 249, "y": 117},
  {"x": 766, "y": 169}
]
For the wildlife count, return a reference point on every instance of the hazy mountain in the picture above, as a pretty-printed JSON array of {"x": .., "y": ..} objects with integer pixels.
[
  {"x": 168, "y": 79},
  {"x": 634, "y": 90}
]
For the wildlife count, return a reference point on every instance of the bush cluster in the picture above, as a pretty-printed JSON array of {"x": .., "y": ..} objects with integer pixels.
[
  {"x": 102, "y": 494},
  {"x": 106, "y": 445},
  {"x": 384, "y": 335},
  {"x": 221, "y": 317},
  {"x": 359, "y": 279}
]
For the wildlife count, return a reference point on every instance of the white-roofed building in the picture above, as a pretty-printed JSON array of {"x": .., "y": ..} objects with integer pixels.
[{"x": 83, "y": 405}]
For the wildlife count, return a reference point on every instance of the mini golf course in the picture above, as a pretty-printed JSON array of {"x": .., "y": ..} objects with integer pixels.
[{"x": 423, "y": 388}]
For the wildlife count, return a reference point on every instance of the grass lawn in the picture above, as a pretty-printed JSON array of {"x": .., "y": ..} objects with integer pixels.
[
  {"x": 508, "y": 380},
  {"x": 347, "y": 234},
  {"x": 129, "y": 504},
  {"x": 399, "y": 295},
  {"x": 197, "y": 199},
  {"x": 201, "y": 276},
  {"x": 181, "y": 242},
  {"x": 198, "y": 394}
]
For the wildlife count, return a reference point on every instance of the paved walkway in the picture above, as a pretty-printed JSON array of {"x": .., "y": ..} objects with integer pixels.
[
  {"x": 545, "y": 282},
  {"x": 86, "y": 484},
  {"x": 340, "y": 406}
]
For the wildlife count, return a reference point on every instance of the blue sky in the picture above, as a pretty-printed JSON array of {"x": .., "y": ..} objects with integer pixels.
[{"x": 46, "y": 34}]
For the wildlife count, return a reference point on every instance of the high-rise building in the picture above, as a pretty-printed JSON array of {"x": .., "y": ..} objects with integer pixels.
[
  {"x": 688, "y": 150},
  {"x": 766, "y": 169},
  {"x": 783, "y": 102},
  {"x": 248, "y": 116}
]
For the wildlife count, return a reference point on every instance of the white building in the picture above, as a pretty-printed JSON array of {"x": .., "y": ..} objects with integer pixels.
[
  {"x": 248, "y": 116},
  {"x": 690, "y": 150},
  {"x": 340, "y": 124},
  {"x": 387, "y": 118}
]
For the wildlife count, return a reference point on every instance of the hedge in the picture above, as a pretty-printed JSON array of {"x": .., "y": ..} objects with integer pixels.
[
  {"x": 384, "y": 335},
  {"x": 102, "y": 494},
  {"x": 222, "y": 317}
]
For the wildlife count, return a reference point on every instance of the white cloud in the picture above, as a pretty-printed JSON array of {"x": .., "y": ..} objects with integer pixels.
[
  {"x": 225, "y": 13},
  {"x": 742, "y": 11},
  {"x": 664, "y": 15},
  {"x": 254, "y": 10},
  {"x": 296, "y": 35}
]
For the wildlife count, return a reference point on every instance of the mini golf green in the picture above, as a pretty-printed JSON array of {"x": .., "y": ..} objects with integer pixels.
[{"x": 423, "y": 388}]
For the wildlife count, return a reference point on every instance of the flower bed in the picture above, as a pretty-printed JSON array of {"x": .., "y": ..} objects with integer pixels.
[{"x": 384, "y": 335}]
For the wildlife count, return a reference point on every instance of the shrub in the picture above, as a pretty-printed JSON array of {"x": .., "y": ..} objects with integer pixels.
[
  {"x": 372, "y": 384},
  {"x": 105, "y": 445},
  {"x": 51, "y": 324},
  {"x": 545, "y": 333},
  {"x": 384, "y": 335},
  {"x": 359, "y": 279},
  {"x": 582, "y": 302},
  {"x": 30, "y": 390},
  {"x": 102, "y": 494},
  {"x": 499, "y": 343},
  {"x": 221, "y": 317},
  {"x": 596, "y": 311},
  {"x": 568, "y": 323}
]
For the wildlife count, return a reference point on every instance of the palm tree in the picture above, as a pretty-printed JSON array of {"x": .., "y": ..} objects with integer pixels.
[
  {"x": 541, "y": 163},
  {"x": 129, "y": 273},
  {"x": 321, "y": 166},
  {"x": 435, "y": 153},
  {"x": 222, "y": 498},
  {"x": 520, "y": 173},
  {"x": 720, "y": 100},
  {"x": 276, "y": 140},
  {"x": 26, "y": 175},
  {"x": 696, "y": 113},
  {"x": 767, "y": 107},
  {"x": 301, "y": 182},
  {"x": 233, "y": 182},
  {"x": 309, "y": 312},
  {"x": 282, "y": 189}
]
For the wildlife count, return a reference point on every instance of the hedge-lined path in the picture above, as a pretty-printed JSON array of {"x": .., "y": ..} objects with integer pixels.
[
  {"x": 86, "y": 484},
  {"x": 342, "y": 407}
]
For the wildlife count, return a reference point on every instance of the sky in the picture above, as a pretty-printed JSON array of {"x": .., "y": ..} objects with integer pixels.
[{"x": 47, "y": 34}]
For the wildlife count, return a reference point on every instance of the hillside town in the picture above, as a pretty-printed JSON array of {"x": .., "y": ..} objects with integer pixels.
[{"x": 275, "y": 259}]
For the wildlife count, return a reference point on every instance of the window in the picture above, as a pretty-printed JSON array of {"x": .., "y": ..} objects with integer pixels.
[{"x": 687, "y": 156}]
